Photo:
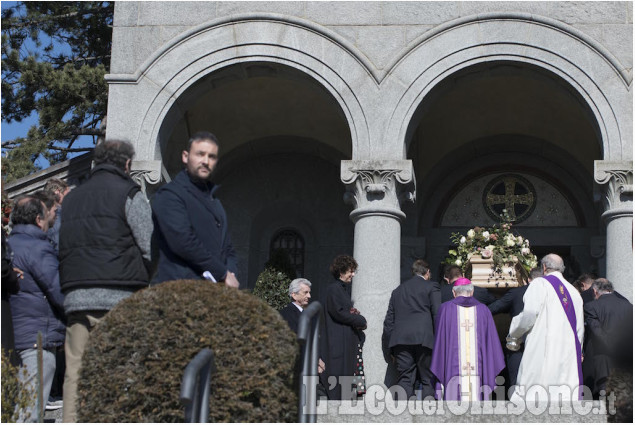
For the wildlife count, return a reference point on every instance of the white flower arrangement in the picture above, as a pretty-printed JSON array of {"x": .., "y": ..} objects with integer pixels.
[{"x": 497, "y": 242}]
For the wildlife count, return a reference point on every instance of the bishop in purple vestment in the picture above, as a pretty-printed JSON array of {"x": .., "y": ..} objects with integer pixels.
[{"x": 467, "y": 354}]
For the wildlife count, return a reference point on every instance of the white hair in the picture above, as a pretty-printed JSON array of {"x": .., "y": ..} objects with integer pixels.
[
  {"x": 295, "y": 285},
  {"x": 463, "y": 290},
  {"x": 553, "y": 263}
]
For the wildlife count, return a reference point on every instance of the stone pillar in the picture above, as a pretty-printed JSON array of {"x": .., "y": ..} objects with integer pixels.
[
  {"x": 375, "y": 189},
  {"x": 616, "y": 177}
]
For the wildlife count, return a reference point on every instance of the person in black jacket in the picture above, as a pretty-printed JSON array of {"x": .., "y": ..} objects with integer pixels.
[
  {"x": 609, "y": 327},
  {"x": 300, "y": 293},
  {"x": 512, "y": 303},
  {"x": 344, "y": 326},
  {"x": 584, "y": 283},
  {"x": 104, "y": 251},
  {"x": 408, "y": 336},
  {"x": 10, "y": 286},
  {"x": 452, "y": 274},
  {"x": 191, "y": 223}
]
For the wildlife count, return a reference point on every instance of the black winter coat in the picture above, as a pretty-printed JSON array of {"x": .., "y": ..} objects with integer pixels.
[
  {"x": 192, "y": 231},
  {"x": 343, "y": 333}
]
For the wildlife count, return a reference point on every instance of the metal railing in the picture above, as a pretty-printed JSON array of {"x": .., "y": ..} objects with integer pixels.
[
  {"x": 308, "y": 337},
  {"x": 195, "y": 386}
]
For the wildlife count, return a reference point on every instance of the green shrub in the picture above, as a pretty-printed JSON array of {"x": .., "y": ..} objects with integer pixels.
[
  {"x": 272, "y": 284},
  {"x": 15, "y": 396},
  {"x": 134, "y": 362}
]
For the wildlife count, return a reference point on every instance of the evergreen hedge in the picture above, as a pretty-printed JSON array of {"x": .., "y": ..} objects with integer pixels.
[{"x": 134, "y": 362}]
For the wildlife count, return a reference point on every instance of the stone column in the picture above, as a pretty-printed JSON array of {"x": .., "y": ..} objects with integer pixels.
[
  {"x": 375, "y": 189},
  {"x": 616, "y": 177}
]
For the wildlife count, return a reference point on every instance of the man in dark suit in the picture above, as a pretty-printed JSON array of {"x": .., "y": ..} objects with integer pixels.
[
  {"x": 609, "y": 326},
  {"x": 451, "y": 275},
  {"x": 512, "y": 303},
  {"x": 584, "y": 283},
  {"x": 300, "y": 293},
  {"x": 408, "y": 335}
]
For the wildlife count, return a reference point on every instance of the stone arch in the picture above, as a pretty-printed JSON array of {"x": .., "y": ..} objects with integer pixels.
[
  {"x": 589, "y": 68},
  {"x": 171, "y": 70}
]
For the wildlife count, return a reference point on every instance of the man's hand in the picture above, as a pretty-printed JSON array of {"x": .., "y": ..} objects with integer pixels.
[
  {"x": 321, "y": 366},
  {"x": 19, "y": 272},
  {"x": 231, "y": 281}
]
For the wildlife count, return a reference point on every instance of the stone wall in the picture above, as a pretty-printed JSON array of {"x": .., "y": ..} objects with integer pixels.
[{"x": 379, "y": 29}]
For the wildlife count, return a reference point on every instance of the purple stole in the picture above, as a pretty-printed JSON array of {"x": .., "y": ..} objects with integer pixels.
[{"x": 567, "y": 305}]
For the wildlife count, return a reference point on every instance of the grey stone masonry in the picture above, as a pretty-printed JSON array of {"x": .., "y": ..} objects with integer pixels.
[
  {"x": 616, "y": 179},
  {"x": 378, "y": 29}
]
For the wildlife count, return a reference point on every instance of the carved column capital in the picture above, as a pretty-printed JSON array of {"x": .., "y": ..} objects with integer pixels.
[
  {"x": 616, "y": 177},
  {"x": 377, "y": 187},
  {"x": 145, "y": 172}
]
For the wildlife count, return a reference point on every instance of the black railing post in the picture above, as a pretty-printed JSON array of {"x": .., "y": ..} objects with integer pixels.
[
  {"x": 308, "y": 337},
  {"x": 195, "y": 386}
]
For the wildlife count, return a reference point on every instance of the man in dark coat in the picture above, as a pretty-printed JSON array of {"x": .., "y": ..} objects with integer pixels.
[
  {"x": 10, "y": 286},
  {"x": 609, "y": 326},
  {"x": 38, "y": 307},
  {"x": 512, "y": 303},
  {"x": 584, "y": 284},
  {"x": 452, "y": 273},
  {"x": 344, "y": 325},
  {"x": 191, "y": 223},
  {"x": 408, "y": 336},
  {"x": 300, "y": 293}
]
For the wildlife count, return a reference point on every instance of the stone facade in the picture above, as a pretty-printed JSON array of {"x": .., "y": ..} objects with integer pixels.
[{"x": 393, "y": 108}]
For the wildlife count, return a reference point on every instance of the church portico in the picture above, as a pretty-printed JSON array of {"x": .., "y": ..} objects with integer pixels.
[{"x": 309, "y": 102}]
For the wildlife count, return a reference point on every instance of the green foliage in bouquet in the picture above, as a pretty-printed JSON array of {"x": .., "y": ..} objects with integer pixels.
[
  {"x": 497, "y": 242},
  {"x": 133, "y": 365}
]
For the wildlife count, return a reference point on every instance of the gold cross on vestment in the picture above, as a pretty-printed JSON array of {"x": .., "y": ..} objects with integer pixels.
[{"x": 467, "y": 324}]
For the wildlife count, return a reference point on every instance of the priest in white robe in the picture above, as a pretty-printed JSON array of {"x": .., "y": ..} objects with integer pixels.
[{"x": 552, "y": 326}]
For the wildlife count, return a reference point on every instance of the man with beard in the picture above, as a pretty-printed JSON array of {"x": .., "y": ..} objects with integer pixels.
[{"x": 191, "y": 223}]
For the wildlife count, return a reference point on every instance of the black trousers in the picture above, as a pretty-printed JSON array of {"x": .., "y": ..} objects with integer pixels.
[{"x": 412, "y": 362}]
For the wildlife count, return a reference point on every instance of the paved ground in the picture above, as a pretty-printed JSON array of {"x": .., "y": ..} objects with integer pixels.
[{"x": 52, "y": 416}]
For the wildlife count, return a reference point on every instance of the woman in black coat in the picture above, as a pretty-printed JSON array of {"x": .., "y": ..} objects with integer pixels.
[{"x": 344, "y": 325}]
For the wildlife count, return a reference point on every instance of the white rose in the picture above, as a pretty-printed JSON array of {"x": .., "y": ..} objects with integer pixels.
[
  {"x": 471, "y": 234},
  {"x": 463, "y": 240},
  {"x": 486, "y": 234},
  {"x": 458, "y": 262},
  {"x": 519, "y": 240},
  {"x": 525, "y": 251},
  {"x": 511, "y": 242}
]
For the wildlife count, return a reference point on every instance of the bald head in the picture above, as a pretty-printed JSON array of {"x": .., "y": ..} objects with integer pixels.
[{"x": 552, "y": 263}]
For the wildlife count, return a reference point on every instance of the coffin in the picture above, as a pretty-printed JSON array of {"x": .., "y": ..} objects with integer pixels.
[{"x": 481, "y": 272}]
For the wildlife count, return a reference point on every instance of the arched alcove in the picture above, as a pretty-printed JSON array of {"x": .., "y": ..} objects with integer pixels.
[{"x": 497, "y": 119}]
